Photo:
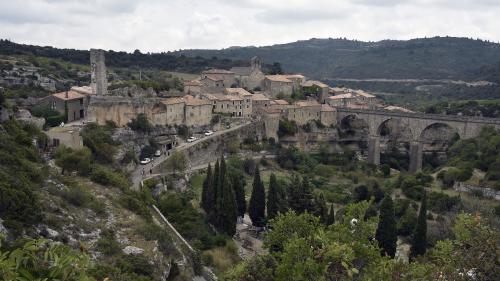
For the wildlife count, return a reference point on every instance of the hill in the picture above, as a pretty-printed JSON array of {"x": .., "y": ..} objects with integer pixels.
[{"x": 424, "y": 58}]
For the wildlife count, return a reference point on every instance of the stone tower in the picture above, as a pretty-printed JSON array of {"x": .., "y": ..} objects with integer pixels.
[
  {"x": 256, "y": 63},
  {"x": 98, "y": 78}
]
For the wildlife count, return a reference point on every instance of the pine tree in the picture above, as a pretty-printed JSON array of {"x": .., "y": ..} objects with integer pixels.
[
  {"x": 331, "y": 216},
  {"x": 321, "y": 209},
  {"x": 419, "y": 243},
  {"x": 207, "y": 191},
  {"x": 272, "y": 197},
  {"x": 239, "y": 192},
  {"x": 257, "y": 205},
  {"x": 386, "y": 234}
]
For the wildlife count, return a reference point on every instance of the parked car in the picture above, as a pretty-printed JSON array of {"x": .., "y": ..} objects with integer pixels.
[
  {"x": 209, "y": 133},
  {"x": 191, "y": 139},
  {"x": 145, "y": 161},
  {"x": 157, "y": 153}
]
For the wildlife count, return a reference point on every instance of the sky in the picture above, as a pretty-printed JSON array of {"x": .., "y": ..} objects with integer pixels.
[{"x": 168, "y": 25}]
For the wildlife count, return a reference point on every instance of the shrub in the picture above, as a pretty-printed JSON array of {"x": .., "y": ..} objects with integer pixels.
[
  {"x": 140, "y": 123},
  {"x": 107, "y": 244},
  {"x": 386, "y": 170},
  {"x": 105, "y": 176},
  {"x": 440, "y": 202},
  {"x": 414, "y": 192},
  {"x": 73, "y": 160},
  {"x": 287, "y": 128},
  {"x": 99, "y": 140}
]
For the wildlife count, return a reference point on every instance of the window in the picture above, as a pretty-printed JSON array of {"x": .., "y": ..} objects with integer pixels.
[
  {"x": 53, "y": 104},
  {"x": 81, "y": 101}
]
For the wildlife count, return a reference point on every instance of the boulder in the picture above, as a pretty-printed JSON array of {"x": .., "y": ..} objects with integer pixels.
[{"x": 131, "y": 250}]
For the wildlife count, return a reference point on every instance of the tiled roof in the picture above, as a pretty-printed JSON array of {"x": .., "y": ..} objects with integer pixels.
[
  {"x": 171, "y": 101},
  {"x": 239, "y": 91},
  {"x": 217, "y": 71},
  {"x": 307, "y": 103},
  {"x": 342, "y": 96},
  {"x": 211, "y": 78},
  {"x": 190, "y": 100},
  {"x": 364, "y": 94},
  {"x": 278, "y": 78},
  {"x": 192, "y": 83},
  {"x": 326, "y": 107},
  {"x": 294, "y": 76},
  {"x": 227, "y": 97},
  {"x": 281, "y": 102},
  {"x": 84, "y": 90},
  {"x": 69, "y": 95},
  {"x": 310, "y": 83},
  {"x": 259, "y": 97}
]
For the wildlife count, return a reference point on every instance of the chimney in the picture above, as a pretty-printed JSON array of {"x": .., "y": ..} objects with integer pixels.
[{"x": 66, "y": 94}]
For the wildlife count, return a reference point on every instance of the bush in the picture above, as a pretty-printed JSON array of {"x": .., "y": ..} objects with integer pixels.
[
  {"x": 105, "y": 176},
  {"x": 99, "y": 140},
  {"x": 73, "y": 160},
  {"x": 406, "y": 224},
  {"x": 287, "y": 128},
  {"x": 140, "y": 123},
  {"x": 386, "y": 170},
  {"x": 414, "y": 192},
  {"x": 134, "y": 203},
  {"x": 107, "y": 244},
  {"x": 440, "y": 202}
]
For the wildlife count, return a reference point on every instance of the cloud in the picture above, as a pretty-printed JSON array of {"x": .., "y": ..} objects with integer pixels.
[{"x": 162, "y": 25}]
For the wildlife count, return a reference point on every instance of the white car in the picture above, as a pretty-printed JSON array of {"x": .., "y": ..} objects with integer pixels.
[
  {"x": 191, "y": 139},
  {"x": 157, "y": 153},
  {"x": 209, "y": 133},
  {"x": 145, "y": 161}
]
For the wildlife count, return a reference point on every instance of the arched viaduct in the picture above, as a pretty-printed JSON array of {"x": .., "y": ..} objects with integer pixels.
[{"x": 416, "y": 124}]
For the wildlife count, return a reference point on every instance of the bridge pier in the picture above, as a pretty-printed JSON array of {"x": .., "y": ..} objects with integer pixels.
[
  {"x": 374, "y": 150},
  {"x": 416, "y": 154}
]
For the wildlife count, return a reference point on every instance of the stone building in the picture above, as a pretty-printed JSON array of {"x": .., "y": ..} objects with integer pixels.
[
  {"x": 168, "y": 112},
  {"x": 197, "y": 111},
  {"x": 276, "y": 85},
  {"x": 70, "y": 102},
  {"x": 260, "y": 102},
  {"x": 98, "y": 76},
  {"x": 279, "y": 104},
  {"x": 234, "y": 101},
  {"x": 316, "y": 88},
  {"x": 192, "y": 87},
  {"x": 353, "y": 99},
  {"x": 250, "y": 77},
  {"x": 227, "y": 77},
  {"x": 68, "y": 136},
  {"x": 303, "y": 112}
]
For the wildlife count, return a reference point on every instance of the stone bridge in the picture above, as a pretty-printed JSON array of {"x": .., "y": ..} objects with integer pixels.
[{"x": 416, "y": 124}]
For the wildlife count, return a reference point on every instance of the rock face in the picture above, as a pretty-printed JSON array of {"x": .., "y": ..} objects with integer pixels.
[
  {"x": 131, "y": 250},
  {"x": 24, "y": 115}
]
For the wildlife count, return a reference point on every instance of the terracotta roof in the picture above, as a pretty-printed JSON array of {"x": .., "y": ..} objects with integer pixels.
[
  {"x": 278, "y": 78},
  {"x": 342, "y": 96},
  {"x": 239, "y": 91},
  {"x": 190, "y": 100},
  {"x": 294, "y": 76},
  {"x": 171, "y": 101},
  {"x": 259, "y": 97},
  {"x": 281, "y": 102},
  {"x": 69, "y": 95},
  {"x": 307, "y": 103},
  {"x": 84, "y": 90},
  {"x": 364, "y": 94},
  {"x": 227, "y": 97},
  {"x": 310, "y": 83},
  {"x": 217, "y": 71},
  {"x": 326, "y": 107},
  {"x": 210, "y": 77}
]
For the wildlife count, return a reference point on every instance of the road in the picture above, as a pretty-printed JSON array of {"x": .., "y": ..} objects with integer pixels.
[{"x": 136, "y": 175}]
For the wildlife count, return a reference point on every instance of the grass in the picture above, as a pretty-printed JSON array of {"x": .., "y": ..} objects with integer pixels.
[{"x": 221, "y": 258}]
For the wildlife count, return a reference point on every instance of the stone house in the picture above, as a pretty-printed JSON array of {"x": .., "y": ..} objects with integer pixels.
[
  {"x": 192, "y": 87},
  {"x": 303, "y": 112},
  {"x": 234, "y": 101},
  {"x": 70, "y": 102},
  {"x": 168, "y": 111},
  {"x": 197, "y": 111},
  {"x": 342, "y": 100},
  {"x": 250, "y": 77},
  {"x": 246, "y": 108},
  {"x": 210, "y": 82},
  {"x": 68, "y": 136},
  {"x": 260, "y": 102},
  {"x": 317, "y": 88},
  {"x": 276, "y": 85},
  {"x": 279, "y": 104},
  {"x": 227, "y": 77},
  {"x": 353, "y": 98}
]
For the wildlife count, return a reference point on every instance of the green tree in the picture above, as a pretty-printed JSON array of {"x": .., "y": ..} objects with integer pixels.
[
  {"x": 419, "y": 243},
  {"x": 321, "y": 210},
  {"x": 257, "y": 204},
  {"x": 407, "y": 222},
  {"x": 141, "y": 123},
  {"x": 331, "y": 216},
  {"x": 239, "y": 192},
  {"x": 272, "y": 197},
  {"x": 306, "y": 197},
  {"x": 73, "y": 160},
  {"x": 207, "y": 191},
  {"x": 386, "y": 234},
  {"x": 177, "y": 162},
  {"x": 227, "y": 209}
]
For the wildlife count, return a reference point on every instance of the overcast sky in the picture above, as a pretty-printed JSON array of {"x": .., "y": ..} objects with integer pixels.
[{"x": 163, "y": 25}]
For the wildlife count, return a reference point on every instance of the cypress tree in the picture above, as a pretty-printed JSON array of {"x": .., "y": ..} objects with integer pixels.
[
  {"x": 239, "y": 192},
  {"x": 207, "y": 191},
  {"x": 386, "y": 234},
  {"x": 321, "y": 208},
  {"x": 294, "y": 198},
  {"x": 257, "y": 205},
  {"x": 212, "y": 214},
  {"x": 227, "y": 209},
  {"x": 419, "y": 242},
  {"x": 272, "y": 197},
  {"x": 331, "y": 216},
  {"x": 307, "y": 197}
]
